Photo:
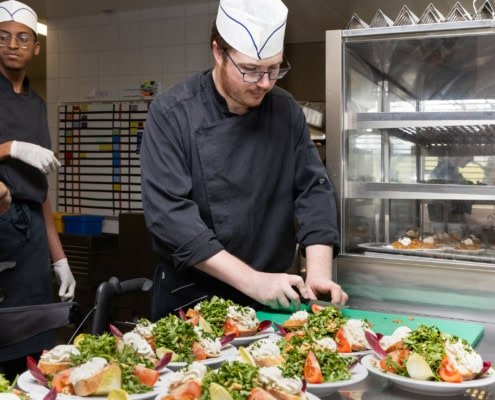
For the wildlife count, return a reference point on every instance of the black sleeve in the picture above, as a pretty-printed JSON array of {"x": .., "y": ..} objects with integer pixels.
[
  {"x": 315, "y": 206},
  {"x": 172, "y": 217}
]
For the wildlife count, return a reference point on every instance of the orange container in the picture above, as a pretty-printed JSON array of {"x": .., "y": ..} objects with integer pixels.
[{"x": 59, "y": 222}]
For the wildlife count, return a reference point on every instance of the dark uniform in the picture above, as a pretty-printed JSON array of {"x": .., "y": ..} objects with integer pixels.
[
  {"x": 251, "y": 184},
  {"x": 23, "y": 236}
]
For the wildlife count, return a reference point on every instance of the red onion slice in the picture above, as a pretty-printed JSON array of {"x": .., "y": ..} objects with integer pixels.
[
  {"x": 35, "y": 371},
  {"x": 374, "y": 342}
]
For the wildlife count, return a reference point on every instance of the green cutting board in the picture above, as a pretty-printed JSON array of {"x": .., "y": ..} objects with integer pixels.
[{"x": 386, "y": 323}]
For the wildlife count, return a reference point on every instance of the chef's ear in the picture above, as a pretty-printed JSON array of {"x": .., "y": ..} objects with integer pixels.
[{"x": 218, "y": 53}]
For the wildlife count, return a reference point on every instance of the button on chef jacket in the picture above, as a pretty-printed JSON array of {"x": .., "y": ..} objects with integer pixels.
[{"x": 251, "y": 184}]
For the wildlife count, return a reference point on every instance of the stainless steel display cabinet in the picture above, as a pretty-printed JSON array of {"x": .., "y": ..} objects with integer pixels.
[{"x": 411, "y": 143}]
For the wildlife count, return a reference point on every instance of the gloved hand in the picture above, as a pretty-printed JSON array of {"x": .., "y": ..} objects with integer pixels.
[
  {"x": 34, "y": 155},
  {"x": 65, "y": 279}
]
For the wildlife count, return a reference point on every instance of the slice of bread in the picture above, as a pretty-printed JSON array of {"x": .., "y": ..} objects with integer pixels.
[
  {"x": 247, "y": 332},
  {"x": 101, "y": 383},
  {"x": 51, "y": 368},
  {"x": 293, "y": 324}
]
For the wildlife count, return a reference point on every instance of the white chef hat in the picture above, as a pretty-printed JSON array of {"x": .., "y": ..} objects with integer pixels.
[
  {"x": 12, "y": 10},
  {"x": 253, "y": 27}
]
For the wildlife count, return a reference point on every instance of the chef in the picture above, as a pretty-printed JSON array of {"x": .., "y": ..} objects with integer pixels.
[
  {"x": 27, "y": 231},
  {"x": 231, "y": 181}
]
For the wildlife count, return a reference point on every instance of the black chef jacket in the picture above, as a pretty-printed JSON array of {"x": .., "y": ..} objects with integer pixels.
[
  {"x": 23, "y": 237},
  {"x": 251, "y": 184},
  {"x": 23, "y": 118}
]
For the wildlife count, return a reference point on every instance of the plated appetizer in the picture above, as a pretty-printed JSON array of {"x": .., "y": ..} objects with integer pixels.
[
  {"x": 9, "y": 391},
  {"x": 428, "y": 354},
  {"x": 233, "y": 380},
  {"x": 220, "y": 317},
  {"x": 328, "y": 323},
  {"x": 95, "y": 365}
]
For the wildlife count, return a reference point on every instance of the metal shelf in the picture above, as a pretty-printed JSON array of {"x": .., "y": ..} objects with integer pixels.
[
  {"x": 388, "y": 120},
  {"x": 422, "y": 191}
]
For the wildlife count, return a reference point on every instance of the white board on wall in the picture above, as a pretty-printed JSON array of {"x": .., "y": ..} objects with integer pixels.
[{"x": 99, "y": 151}]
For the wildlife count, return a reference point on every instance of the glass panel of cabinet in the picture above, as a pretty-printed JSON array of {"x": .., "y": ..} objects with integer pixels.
[{"x": 417, "y": 142}]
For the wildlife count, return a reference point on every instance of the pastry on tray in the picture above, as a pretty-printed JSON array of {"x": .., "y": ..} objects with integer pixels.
[
  {"x": 406, "y": 243},
  {"x": 413, "y": 232},
  {"x": 469, "y": 243},
  {"x": 441, "y": 237}
]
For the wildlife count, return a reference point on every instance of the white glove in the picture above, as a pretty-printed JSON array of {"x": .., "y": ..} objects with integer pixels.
[
  {"x": 34, "y": 155},
  {"x": 65, "y": 279}
]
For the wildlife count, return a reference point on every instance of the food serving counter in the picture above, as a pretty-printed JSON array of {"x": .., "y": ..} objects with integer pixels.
[{"x": 411, "y": 152}]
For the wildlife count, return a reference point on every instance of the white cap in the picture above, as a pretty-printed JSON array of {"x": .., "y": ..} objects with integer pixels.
[
  {"x": 12, "y": 10},
  {"x": 253, "y": 27}
]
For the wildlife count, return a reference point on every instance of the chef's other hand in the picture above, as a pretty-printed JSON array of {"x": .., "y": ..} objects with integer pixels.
[
  {"x": 279, "y": 290},
  {"x": 34, "y": 155},
  {"x": 65, "y": 279},
  {"x": 5, "y": 198},
  {"x": 318, "y": 286}
]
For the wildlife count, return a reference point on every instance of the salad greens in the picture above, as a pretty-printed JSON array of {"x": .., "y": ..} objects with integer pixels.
[
  {"x": 429, "y": 342},
  {"x": 214, "y": 311},
  {"x": 237, "y": 377},
  {"x": 4, "y": 384},
  {"x": 326, "y": 321},
  {"x": 295, "y": 350},
  {"x": 177, "y": 335},
  {"x": 90, "y": 346},
  {"x": 105, "y": 346}
]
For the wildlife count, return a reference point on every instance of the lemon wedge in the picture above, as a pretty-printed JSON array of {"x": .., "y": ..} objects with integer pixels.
[
  {"x": 418, "y": 368},
  {"x": 218, "y": 392},
  {"x": 79, "y": 338},
  {"x": 245, "y": 356},
  {"x": 118, "y": 394}
]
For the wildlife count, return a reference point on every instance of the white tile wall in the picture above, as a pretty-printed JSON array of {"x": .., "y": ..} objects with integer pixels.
[
  {"x": 130, "y": 61},
  {"x": 174, "y": 59},
  {"x": 103, "y": 57},
  {"x": 68, "y": 65},
  {"x": 151, "y": 33},
  {"x": 174, "y": 31},
  {"x": 151, "y": 60},
  {"x": 88, "y": 64}
]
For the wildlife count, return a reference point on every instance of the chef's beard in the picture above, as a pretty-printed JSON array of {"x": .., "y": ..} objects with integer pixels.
[{"x": 240, "y": 92}]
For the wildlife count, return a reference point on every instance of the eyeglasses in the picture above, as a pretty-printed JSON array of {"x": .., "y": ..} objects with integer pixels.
[
  {"x": 255, "y": 76},
  {"x": 23, "y": 40}
]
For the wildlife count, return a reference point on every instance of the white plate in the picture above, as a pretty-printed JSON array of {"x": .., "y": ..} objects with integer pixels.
[
  {"x": 229, "y": 352},
  {"x": 27, "y": 383},
  {"x": 359, "y": 373},
  {"x": 245, "y": 340},
  {"x": 425, "y": 387},
  {"x": 168, "y": 378}
]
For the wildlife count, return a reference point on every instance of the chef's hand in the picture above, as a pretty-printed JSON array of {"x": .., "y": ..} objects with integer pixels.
[
  {"x": 278, "y": 290},
  {"x": 319, "y": 285},
  {"x": 65, "y": 279},
  {"x": 5, "y": 198},
  {"x": 34, "y": 155}
]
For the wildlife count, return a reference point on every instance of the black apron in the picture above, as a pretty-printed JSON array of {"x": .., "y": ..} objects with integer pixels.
[
  {"x": 23, "y": 240},
  {"x": 235, "y": 154}
]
